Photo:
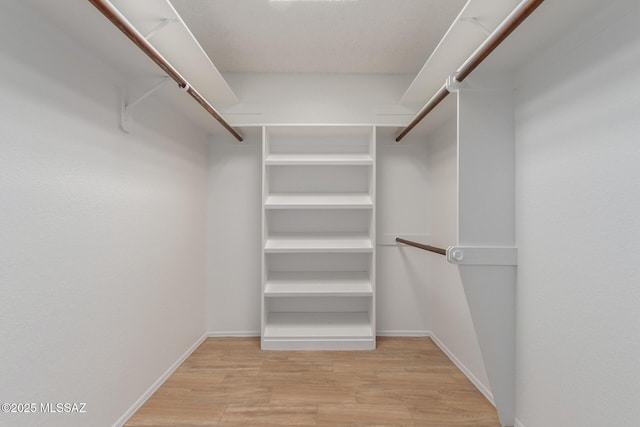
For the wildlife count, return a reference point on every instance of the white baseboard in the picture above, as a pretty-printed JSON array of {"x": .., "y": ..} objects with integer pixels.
[
  {"x": 483, "y": 389},
  {"x": 401, "y": 333},
  {"x": 156, "y": 385},
  {"x": 389, "y": 333},
  {"x": 223, "y": 334}
]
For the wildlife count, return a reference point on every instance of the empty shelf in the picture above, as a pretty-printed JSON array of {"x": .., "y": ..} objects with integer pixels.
[
  {"x": 319, "y": 283},
  {"x": 318, "y": 159},
  {"x": 318, "y": 325},
  {"x": 294, "y": 243},
  {"x": 318, "y": 201}
]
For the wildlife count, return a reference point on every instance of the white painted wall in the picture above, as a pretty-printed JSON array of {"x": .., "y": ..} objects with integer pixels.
[
  {"x": 318, "y": 98},
  {"x": 451, "y": 322},
  {"x": 234, "y": 235},
  {"x": 403, "y": 209},
  {"x": 578, "y": 151},
  {"x": 102, "y": 265}
]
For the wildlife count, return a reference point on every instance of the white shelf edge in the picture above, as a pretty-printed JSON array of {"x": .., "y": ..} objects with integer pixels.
[
  {"x": 298, "y": 243},
  {"x": 299, "y": 284},
  {"x": 318, "y": 201},
  {"x": 308, "y": 159},
  {"x": 313, "y": 325},
  {"x": 333, "y": 344}
]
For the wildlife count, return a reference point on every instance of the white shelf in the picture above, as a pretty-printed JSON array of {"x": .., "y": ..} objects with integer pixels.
[
  {"x": 318, "y": 283},
  {"x": 318, "y": 201},
  {"x": 318, "y": 159},
  {"x": 297, "y": 243},
  {"x": 318, "y": 326}
]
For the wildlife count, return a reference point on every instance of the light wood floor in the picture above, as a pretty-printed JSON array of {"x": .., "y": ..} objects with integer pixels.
[{"x": 230, "y": 382}]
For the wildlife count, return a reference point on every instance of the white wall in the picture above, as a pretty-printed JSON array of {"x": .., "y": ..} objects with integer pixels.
[
  {"x": 402, "y": 291},
  {"x": 578, "y": 175},
  {"x": 102, "y": 266},
  {"x": 318, "y": 98},
  {"x": 234, "y": 235},
  {"x": 451, "y": 322}
]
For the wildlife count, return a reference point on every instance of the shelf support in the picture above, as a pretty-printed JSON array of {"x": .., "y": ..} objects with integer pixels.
[
  {"x": 159, "y": 27},
  {"x": 473, "y": 20},
  {"x": 519, "y": 14},
  {"x": 122, "y": 23},
  {"x": 127, "y": 106}
]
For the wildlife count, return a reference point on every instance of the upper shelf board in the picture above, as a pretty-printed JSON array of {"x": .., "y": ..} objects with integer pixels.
[
  {"x": 319, "y": 201},
  {"x": 178, "y": 46},
  {"x": 319, "y": 243},
  {"x": 318, "y": 159},
  {"x": 318, "y": 283},
  {"x": 467, "y": 32}
]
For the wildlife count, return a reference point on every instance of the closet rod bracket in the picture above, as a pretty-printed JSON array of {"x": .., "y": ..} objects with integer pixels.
[
  {"x": 126, "y": 106},
  {"x": 473, "y": 20},
  {"x": 159, "y": 27},
  {"x": 452, "y": 84},
  {"x": 482, "y": 255}
]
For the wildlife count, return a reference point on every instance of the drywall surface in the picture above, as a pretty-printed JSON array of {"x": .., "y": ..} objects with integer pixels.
[
  {"x": 578, "y": 151},
  {"x": 402, "y": 210},
  {"x": 102, "y": 265},
  {"x": 318, "y": 98},
  {"x": 451, "y": 321},
  {"x": 234, "y": 236}
]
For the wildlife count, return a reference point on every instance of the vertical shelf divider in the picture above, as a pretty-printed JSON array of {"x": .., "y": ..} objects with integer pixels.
[{"x": 486, "y": 254}]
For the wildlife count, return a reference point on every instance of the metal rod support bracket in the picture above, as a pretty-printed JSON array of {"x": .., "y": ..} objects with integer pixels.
[
  {"x": 127, "y": 106},
  {"x": 519, "y": 14},
  {"x": 122, "y": 23},
  {"x": 482, "y": 255},
  {"x": 452, "y": 84},
  {"x": 159, "y": 27},
  {"x": 474, "y": 20}
]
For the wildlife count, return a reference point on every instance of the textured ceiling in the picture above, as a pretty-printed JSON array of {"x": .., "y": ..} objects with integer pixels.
[{"x": 311, "y": 36}]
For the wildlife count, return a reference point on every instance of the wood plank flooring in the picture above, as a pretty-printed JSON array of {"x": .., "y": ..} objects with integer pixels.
[{"x": 231, "y": 382}]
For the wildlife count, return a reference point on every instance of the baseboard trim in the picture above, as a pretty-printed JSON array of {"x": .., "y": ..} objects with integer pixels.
[
  {"x": 401, "y": 333},
  {"x": 484, "y": 390},
  {"x": 232, "y": 334},
  {"x": 156, "y": 385},
  {"x": 390, "y": 333}
]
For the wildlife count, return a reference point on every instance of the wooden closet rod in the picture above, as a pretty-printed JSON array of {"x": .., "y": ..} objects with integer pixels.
[
  {"x": 114, "y": 15},
  {"x": 503, "y": 31},
  {"x": 421, "y": 246}
]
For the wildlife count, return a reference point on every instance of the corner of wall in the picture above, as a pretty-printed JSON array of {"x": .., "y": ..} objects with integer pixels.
[{"x": 158, "y": 383}]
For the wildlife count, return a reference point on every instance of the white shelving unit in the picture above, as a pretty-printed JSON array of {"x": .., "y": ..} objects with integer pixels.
[{"x": 318, "y": 222}]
